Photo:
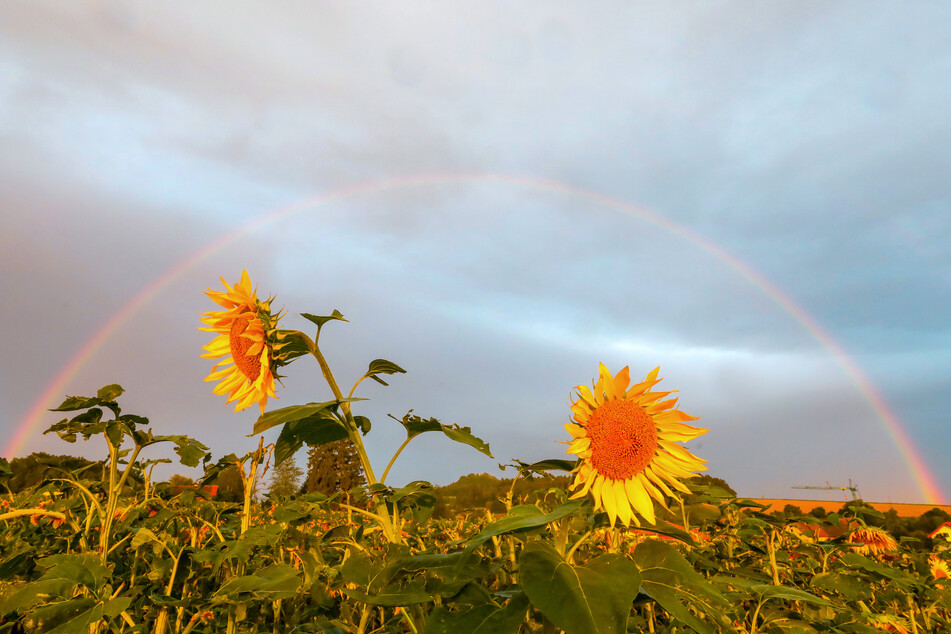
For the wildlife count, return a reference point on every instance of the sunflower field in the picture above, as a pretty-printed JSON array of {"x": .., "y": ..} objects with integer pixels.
[{"x": 616, "y": 551}]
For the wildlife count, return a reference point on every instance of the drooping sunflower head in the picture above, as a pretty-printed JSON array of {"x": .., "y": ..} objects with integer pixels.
[
  {"x": 626, "y": 438},
  {"x": 247, "y": 339},
  {"x": 872, "y": 540}
]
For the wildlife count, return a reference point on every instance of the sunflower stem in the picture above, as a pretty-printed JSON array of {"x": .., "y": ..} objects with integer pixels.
[{"x": 352, "y": 431}]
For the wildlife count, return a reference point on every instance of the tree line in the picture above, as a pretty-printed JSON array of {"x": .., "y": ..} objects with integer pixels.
[{"x": 334, "y": 467}]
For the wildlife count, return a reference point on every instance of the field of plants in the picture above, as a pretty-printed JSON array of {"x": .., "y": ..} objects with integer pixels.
[{"x": 618, "y": 551}]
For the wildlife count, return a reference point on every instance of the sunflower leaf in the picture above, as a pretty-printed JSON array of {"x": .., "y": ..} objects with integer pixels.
[
  {"x": 519, "y": 520},
  {"x": 109, "y": 393},
  {"x": 670, "y": 580},
  {"x": 382, "y": 366},
  {"x": 768, "y": 591},
  {"x": 542, "y": 467},
  {"x": 313, "y": 430},
  {"x": 415, "y": 426},
  {"x": 278, "y": 581},
  {"x": 293, "y": 413},
  {"x": 320, "y": 320},
  {"x": 76, "y": 402},
  {"x": 486, "y": 618},
  {"x": 595, "y": 598}
]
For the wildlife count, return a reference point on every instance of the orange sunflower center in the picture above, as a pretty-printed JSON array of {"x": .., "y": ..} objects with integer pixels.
[
  {"x": 623, "y": 439},
  {"x": 249, "y": 364}
]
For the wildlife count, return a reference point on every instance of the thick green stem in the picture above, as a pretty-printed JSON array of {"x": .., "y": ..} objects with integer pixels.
[
  {"x": 771, "y": 546},
  {"x": 249, "y": 486},
  {"x": 391, "y": 534}
]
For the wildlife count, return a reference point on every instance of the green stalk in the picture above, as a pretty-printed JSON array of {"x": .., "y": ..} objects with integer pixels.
[
  {"x": 249, "y": 486},
  {"x": 771, "y": 546},
  {"x": 391, "y": 535}
]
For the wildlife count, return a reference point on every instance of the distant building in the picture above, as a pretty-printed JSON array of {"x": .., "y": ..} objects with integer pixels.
[{"x": 944, "y": 531}]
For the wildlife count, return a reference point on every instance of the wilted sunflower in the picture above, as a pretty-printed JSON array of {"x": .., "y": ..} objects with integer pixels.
[
  {"x": 873, "y": 540},
  {"x": 627, "y": 439},
  {"x": 247, "y": 336}
]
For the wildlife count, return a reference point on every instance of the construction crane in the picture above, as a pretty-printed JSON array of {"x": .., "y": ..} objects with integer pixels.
[{"x": 852, "y": 487}]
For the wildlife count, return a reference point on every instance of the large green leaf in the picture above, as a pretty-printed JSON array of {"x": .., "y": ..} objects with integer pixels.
[
  {"x": 768, "y": 591},
  {"x": 843, "y": 583},
  {"x": 415, "y": 426},
  {"x": 855, "y": 560},
  {"x": 397, "y": 575},
  {"x": 293, "y": 413},
  {"x": 481, "y": 619},
  {"x": 73, "y": 403},
  {"x": 64, "y": 573},
  {"x": 314, "y": 430},
  {"x": 278, "y": 581},
  {"x": 520, "y": 520},
  {"x": 670, "y": 580},
  {"x": 190, "y": 451},
  {"x": 592, "y": 599},
  {"x": 394, "y": 595}
]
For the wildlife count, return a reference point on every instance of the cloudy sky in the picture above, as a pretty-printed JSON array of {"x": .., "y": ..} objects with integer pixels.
[{"x": 498, "y": 196}]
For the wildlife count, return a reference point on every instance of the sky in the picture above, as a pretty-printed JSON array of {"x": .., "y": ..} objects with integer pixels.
[{"x": 498, "y": 197}]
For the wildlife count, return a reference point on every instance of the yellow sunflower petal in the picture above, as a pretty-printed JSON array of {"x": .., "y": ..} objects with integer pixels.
[
  {"x": 582, "y": 411},
  {"x": 640, "y": 500},
  {"x": 596, "y": 485},
  {"x": 576, "y": 431},
  {"x": 677, "y": 431},
  {"x": 609, "y": 499},
  {"x": 585, "y": 393},
  {"x": 621, "y": 380},
  {"x": 652, "y": 489},
  {"x": 606, "y": 383},
  {"x": 622, "y": 502},
  {"x": 578, "y": 445}
]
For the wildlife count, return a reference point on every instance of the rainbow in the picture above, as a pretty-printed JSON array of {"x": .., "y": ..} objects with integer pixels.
[{"x": 56, "y": 388}]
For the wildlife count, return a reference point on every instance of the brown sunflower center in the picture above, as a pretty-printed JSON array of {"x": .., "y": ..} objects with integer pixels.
[
  {"x": 249, "y": 364},
  {"x": 623, "y": 439}
]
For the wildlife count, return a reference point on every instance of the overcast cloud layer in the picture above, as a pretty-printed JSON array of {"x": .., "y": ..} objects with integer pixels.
[{"x": 808, "y": 140}]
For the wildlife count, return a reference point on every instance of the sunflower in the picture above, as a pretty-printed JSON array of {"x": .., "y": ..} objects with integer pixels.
[
  {"x": 939, "y": 568},
  {"x": 247, "y": 337},
  {"x": 626, "y": 439},
  {"x": 872, "y": 540}
]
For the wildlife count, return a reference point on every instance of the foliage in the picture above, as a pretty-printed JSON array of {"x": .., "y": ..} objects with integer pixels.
[
  {"x": 30, "y": 471},
  {"x": 285, "y": 480},
  {"x": 81, "y": 556},
  {"x": 331, "y": 467}
]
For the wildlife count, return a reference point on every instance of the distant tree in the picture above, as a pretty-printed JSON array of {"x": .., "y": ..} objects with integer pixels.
[
  {"x": 713, "y": 481},
  {"x": 930, "y": 520},
  {"x": 286, "y": 479},
  {"x": 180, "y": 481},
  {"x": 710, "y": 482},
  {"x": 791, "y": 510},
  {"x": 28, "y": 472},
  {"x": 332, "y": 467},
  {"x": 861, "y": 509},
  {"x": 230, "y": 485},
  {"x": 818, "y": 513}
]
